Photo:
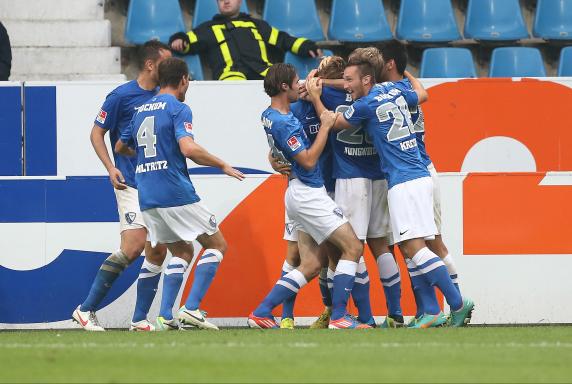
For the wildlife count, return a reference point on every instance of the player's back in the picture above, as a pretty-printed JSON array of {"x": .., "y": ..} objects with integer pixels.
[
  {"x": 161, "y": 173},
  {"x": 286, "y": 135}
]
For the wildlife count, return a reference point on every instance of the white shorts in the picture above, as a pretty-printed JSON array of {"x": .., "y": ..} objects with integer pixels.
[
  {"x": 364, "y": 202},
  {"x": 183, "y": 223},
  {"x": 130, "y": 216},
  {"x": 436, "y": 197},
  {"x": 289, "y": 233},
  {"x": 411, "y": 209},
  {"x": 311, "y": 210}
]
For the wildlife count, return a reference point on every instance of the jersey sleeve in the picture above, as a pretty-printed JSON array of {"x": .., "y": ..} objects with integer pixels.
[
  {"x": 410, "y": 97},
  {"x": 357, "y": 113},
  {"x": 108, "y": 115},
  {"x": 288, "y": 137},
  {"x": 183, "y": 122}
]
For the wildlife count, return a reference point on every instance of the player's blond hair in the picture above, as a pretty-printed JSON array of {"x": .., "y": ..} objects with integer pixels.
[
  {"x": 370, "y": 56},
  {"x": 331, "y": 67}
]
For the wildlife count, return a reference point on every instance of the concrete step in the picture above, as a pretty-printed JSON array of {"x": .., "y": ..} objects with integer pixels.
[
  {"x": 51, "y": 10},
  {"x": 29, "y": 61},
  {"x": 86, "y": 33},
  {"x": 69, "y": 77}
]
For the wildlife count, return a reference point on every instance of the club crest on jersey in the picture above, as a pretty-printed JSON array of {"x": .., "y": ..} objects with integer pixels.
[
  {"x": 289, "y": 228},
  {"x": 130, "y": 217},
  {"x": 189, "y": 127},
  {"x": 293, "y": 143},
  {"x": 338, "y": 212},
  {"x": 101, "y": 116},
  {"x": 212, "y": 221}
]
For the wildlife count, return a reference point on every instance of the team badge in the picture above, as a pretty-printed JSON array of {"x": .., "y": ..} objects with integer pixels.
[
  {"x": 212, "y": 221},
  {"x": 338, "y": 212},
  {"x": 289, "y": 228},
  {"x": 293, "y": 143},
  {"x": 130, "y": 217},
  {"x": 189, "y": 127},
  {"x": 101, "y": 116}
]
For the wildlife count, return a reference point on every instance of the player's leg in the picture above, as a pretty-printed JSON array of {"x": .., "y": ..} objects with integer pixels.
[
  {"x": 326, "y": 282},
  {"x": 292, "y": 261}
]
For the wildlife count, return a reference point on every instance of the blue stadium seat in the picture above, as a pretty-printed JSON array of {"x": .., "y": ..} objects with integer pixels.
[
  {"x": 495, "y": 20},
  {"x": 195, "y": 66},
  {"x": 206, "y": 9},
  {"x": 358, "y": 20},
  {"x": 304, "y": 64},
  {"x": 565, "y": 66},
  {"x": 553, "y": 20},
  {"x": 447, "y": 62},
  {"x": 297, "y": 17},
  {"x": 427, "y": 20},
  {"x": 517, "y": 62},
  {"x": 153, "y": 19}
]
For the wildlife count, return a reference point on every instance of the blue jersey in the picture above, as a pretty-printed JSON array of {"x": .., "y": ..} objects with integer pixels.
[
  {"x": 418, "y": 123},
  {"x": 354, "y": 152},
  {"x": 287, "y": 138},
  {"x": 119, "y": 107},
  {"x": 161, "y": 173},
  {"x": 384, "y": 112},
  {"x": 304, "y": 111}
]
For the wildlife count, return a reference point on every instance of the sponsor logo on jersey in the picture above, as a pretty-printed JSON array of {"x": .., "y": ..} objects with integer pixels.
[
  {"x": 130, "y": 217},
  {"x": 189, "y": 127},
  {"x": 293, "y": 143},
  {"x": 101, "y": 116}
]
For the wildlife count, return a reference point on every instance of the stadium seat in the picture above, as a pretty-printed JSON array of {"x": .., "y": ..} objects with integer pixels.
[
  {"x": 195, "y": 66},
  {"x": 358, "y": 20},
  {"x": 427, "y": 21},
  {"x": 495, "y": 20},
  {"x": 447, "y": 62},
  {"x": 553, "y": 20},
  {"x": 153, "y": 19},
  {"x": 297, "y": 17},
  {"x": 304, "y": 64},
  {"x": 206, "y": 9},
  {"x": 565, "y": 66},
  {"x": 517, "y": 62}
]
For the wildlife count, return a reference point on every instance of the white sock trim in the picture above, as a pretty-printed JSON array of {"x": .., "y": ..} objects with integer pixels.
[
  {"x": 346, "y": 267},
  {"x": 450, "y": 264},
  {"x": 175, "y": 261},
  {"x": 212, "y": 256},
  {"x": 286, "y": 267},
  {"x": 361, "y": 267},
  {"x": 297, "y": 276},
  {"x": 387, "y": 266}
]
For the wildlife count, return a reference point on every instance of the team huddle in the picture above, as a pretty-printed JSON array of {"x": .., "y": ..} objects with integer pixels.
[{"x": 351, "y": 140}]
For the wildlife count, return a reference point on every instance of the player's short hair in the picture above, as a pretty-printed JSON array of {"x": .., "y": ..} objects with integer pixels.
[
  {"x": 171, "y": 71},
  {"x": 331, "y": 67},
  {"x": 395, "y": 51},
  {"x": 151, "y": 50},
  {"x": 278, "y": 74},
  {"x": 369, "y": 61}
]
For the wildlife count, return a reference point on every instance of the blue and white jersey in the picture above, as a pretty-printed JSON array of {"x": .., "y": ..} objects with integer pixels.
[
  {"x": 304, "y": 111},
  {"x": 418, "y": 120},
  {"x": 161, "y": 174},
  {"x": 114, "y": 116},
  {"x": 287, "y": 138},
  {"x": 384, "y": 113},
  {"x": 354, "y": 152}
]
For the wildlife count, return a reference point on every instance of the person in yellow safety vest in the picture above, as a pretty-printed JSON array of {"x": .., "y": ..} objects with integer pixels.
[{"x": 236, "y": 45}]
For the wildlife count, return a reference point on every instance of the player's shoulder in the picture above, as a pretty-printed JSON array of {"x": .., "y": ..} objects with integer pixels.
[
  {"x": 302, "y": 109},
  {"x": 275, "y": 120}
]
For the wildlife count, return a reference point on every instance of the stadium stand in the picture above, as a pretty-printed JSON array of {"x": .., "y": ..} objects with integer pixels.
[
  {"x": 447, "y": 62},
  {"x": 358, "y": 21},
  {"x": 195, "y": 66},
  {"x": 517, "y": 62},
  {"x": 565, "y": 66},
  {"x": 495, "y": 20},
  {"x": 304, "y": 64},
  {"x": 206, "y": 9},
  {"x": 427, "y": 21},
  {"x": 553, "y": 20},
  {"x": 297, "y": 17},
  {"x": 153, "y": 19}
]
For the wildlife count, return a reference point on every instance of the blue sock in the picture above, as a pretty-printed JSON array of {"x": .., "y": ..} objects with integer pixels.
[
  {"x": 204, "y": 275},
  {"x": 343, "y": 285},
  {"x": 171, "y": 285},
  {"x": 391, "y": 282},
  {"x": 108, "y": 272},
  {"x": 330, "y": 281},
  {"x": 324, "y": 289},
  {"x": 360, "y": 292},
  {"x": 285, "y": 287},
  {"x": 288, "y": 304},
  {"x": 452, "y": 269},
  {"x": 425, "y": 297},
  {"x": 147, "y": 283},
  {"x": 435, "y": 272}
]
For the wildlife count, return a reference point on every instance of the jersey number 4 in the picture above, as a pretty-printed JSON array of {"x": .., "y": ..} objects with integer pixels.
[{"x": 146, "y": 136}]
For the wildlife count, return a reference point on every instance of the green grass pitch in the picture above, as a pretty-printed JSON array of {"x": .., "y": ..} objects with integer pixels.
[{"x": 475, "y": 354}]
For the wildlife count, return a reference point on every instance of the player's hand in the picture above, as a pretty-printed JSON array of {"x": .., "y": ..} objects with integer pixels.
[
  {"x": 328, "y": 119},
  {"x": 230, "y": 171},
  {"x": 177, "y": 45},
  {"x": 280, "y": 167},
  {"x": 117, "y": 179},
  {"x": 314, "y": 87}
]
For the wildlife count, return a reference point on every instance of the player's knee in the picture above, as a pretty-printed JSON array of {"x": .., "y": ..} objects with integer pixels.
[{"x": 133, "y": 251}]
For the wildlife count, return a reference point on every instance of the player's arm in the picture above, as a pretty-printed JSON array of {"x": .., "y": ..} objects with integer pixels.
[
  {"x": 282, "y": 40},
  {"x": 308, "y": 158},
  {"x": 314, "y": 87},
  {"x": 192, "y": 150},
  {"x": 97, "y": 138},
  {"x": 124, "y": 149},
  {"x": 277, "y": 165},
  {"x": 422, "y": 94},
  {"x": 188, "y": 43}
]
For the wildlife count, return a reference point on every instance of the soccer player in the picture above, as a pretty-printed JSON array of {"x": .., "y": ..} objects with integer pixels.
[
  {"x": 315, "y": 216},
  {"x": 114, "y": 116},
  {"x": 395, "y": 58},
  {"x": 162, "y": 133},
  {"x": 385, "y": 114}
]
